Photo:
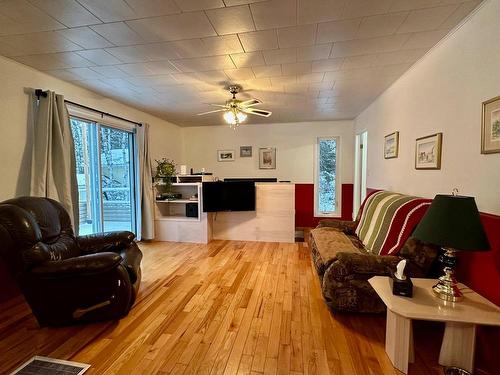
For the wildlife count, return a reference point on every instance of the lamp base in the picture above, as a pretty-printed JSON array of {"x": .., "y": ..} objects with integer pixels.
[{"x": 447, "y": 287}]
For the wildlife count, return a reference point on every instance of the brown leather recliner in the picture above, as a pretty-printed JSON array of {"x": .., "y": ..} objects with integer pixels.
[{"x": 67, "y": 279}]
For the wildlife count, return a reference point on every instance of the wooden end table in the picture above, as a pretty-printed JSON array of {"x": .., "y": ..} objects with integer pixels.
[{"x": 461, "y": 319}]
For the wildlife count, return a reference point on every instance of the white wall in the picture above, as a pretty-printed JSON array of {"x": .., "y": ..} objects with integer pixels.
[
  {"x": 166, "y": 138},
  {"x": 443, "y": 92},
  {"x": 294, "y": 144}
]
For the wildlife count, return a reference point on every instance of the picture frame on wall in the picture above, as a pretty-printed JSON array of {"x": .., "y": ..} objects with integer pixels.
[
  {"x": 391, "y": 145},
  {"x": 490, "y": 126},
  {"x": 245, "y": 151},
  {"x": 225, "y": 155},
  {"x": 267, "y": 158},
  {"x": 428, "y": 151}
]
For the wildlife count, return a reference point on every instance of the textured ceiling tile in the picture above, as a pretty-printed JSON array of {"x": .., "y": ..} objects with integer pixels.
[
  {"x": 426, "y": 19},
  {"x": 267, "y": 71},
  {"x": 192, "y": 5},
  {"x": 361, "y": 8},
  {"x": 129, "y": 54},
  {"x": 20, "y": 17},
  {"x": 118, "y": 33},
  {"x": 280, "y": 56},
  {"x": 204, "y": 63},
  {"x": 355, "y": 62},
  {"x": 295, "y": 36},
  {"x": 152, "y": 8},
  {"x": 99, "y": 57},
  {"x": 109, "y": 71},
  {"x": 231, "y": 20},
  {"x": 380, "y": 25},
  {"x": 68, "y": 12},
  {"x": 240, "y": 74},
  {"x": 30, "y": 44},
  {"x": 85, "y": 37},
  {"x": 313, "y": 11},
  {"x": 109, "y": 10},
  {"x": 274, "y": 14},
  {"x": 174, "y": 27},
  {"x": 309, "y": 78},
  {"x": 259, "y": 40},
  {"x": 84, "y": 73},
  {"x": 327, "y": 65},
  {"x": 335, "y": 31},
  {"x": 54, "y": 61},
  {"x": 316, "y": 52},
  {"x": 222, "y": 45},
  {"x": 402, "y": 5},
  {"x": 157, "y": 80},
  {"x": 368, "y": 46},
  {"x": 296, "y": 68},
  {"x": 136, "y": 69},
  {"x": 231, "y": 3},
  {"x": 399, "y": 57},
  {"x": 459, "y": 14},
  {"x": 243, "y": 60},
  {"x": 424, "y": 39}
]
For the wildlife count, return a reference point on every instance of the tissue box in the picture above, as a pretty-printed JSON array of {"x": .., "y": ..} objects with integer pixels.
[{"x": 401, "y": 287}]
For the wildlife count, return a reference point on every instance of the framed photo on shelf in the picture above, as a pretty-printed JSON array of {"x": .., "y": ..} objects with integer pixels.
[
  {"x": 245, "y": 151},
  {"x": 490, "y": 126},
  {"x": 267, "y": 158},
  {"x": 225, "y": 155},
  {"x": 428, "y": 152},
  {"x": 391, "y": 145}
]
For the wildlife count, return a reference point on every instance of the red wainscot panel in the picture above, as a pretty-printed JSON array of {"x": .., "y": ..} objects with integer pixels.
[{"x": 304, "y": 205}]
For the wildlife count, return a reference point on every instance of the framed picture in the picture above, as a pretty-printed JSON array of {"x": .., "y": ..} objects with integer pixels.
[
  {"x": 490, "y": 126},
  {"x": 391, "y": 145},
  {"x": 428, "y": 152},
  {"x": 267, "y": 158},
  {"x": 245, "y": 151},
  {"x": 225, "y": 155}
]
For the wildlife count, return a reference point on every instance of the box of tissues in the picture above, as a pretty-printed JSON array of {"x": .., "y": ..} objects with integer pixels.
[{"x": 401, "y": 284}]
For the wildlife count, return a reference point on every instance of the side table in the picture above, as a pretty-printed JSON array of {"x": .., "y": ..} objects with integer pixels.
[{"x": 461, "y": 319}]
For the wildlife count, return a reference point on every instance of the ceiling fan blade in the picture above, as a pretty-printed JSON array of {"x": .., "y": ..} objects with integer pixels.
[
  {"x": 258, "y": 112},
  {"x": 250, "y": 103},
  {"x": 206, "y": 113},
  {"x": 219, "y": 105}
]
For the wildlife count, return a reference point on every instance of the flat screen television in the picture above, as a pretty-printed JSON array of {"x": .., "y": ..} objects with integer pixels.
[{"x": 228, "y": 196}]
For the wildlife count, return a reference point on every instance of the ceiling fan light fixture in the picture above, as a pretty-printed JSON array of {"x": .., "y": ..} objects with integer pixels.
[
  {"x": 241, "y": 116},
  {"x": 230, "y": 117}
]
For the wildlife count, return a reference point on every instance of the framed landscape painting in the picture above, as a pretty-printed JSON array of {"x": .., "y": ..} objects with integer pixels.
[
  {"x": 225, "y": 155},
  {"x": 391, "y": 145},
  {"x": 267, "y": 158},
  {"x": 428, "y": 152},
  {"x": 490, "y": 130}
]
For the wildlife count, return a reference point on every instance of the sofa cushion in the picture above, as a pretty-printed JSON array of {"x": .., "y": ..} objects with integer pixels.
[
  {"x": 388, "y": 219},
  {"x": 327, "y": 242}
]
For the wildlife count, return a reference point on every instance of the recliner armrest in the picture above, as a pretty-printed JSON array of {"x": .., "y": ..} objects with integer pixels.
[
  {"x": 109, "y": 241},
  {"x": 131, "y": 260},
  {"x": 362, "y": 266},
  {"x": 83, "y": 265}
]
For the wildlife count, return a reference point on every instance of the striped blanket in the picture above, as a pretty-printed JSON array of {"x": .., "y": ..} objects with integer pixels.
[{"x": 388, "y": 219}]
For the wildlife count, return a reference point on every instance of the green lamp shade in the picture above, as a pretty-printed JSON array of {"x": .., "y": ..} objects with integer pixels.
[{"x": 453, "y": 221}]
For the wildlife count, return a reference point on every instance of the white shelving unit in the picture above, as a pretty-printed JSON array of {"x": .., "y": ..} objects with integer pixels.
[{"x": 171, "y": 221}]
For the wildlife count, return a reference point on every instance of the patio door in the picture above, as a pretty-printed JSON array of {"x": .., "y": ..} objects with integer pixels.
[{"x": 105, "y": 166}]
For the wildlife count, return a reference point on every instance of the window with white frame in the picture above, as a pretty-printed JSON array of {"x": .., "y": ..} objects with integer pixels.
[{"x": 326, "y": 179}]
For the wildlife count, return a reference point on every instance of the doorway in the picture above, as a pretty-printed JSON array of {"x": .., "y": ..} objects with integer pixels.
[{"x": 360, "y": 171}]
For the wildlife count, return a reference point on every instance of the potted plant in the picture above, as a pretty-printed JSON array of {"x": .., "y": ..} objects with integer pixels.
[{"x": 165, "y": 170}]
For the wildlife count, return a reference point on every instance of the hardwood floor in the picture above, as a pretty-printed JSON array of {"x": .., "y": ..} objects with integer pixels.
[{"x": 224, "y": 308}]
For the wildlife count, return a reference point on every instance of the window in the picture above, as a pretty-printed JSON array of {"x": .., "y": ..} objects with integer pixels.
[
  {"x": 106, "y": 177},
  {"x": 326, "y": 179}
]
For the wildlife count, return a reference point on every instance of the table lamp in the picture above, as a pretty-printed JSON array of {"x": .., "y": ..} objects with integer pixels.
[{"x": 452, "y": 222}]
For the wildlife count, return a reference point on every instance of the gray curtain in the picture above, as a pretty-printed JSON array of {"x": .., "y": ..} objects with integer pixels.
[
  {"x": 146, "y": 228},
  {"x": 53, "y": 167}
]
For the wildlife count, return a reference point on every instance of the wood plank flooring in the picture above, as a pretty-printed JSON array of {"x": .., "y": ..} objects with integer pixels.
[{"x": 224, "y": 308}]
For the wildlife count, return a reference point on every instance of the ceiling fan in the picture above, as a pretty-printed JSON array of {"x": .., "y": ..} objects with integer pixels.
[{"x": 235, "y": 110}]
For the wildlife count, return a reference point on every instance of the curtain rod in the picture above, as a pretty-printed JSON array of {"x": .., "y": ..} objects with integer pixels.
[{"x": 40, "y": 92}]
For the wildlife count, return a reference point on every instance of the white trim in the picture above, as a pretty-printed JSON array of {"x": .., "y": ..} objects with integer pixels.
[
  {"x": 338, "y": 184},
  {"x": 95, "y": 116}
]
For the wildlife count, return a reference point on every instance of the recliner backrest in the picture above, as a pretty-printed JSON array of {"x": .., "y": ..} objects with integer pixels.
[{"x": 35, "y": 230}]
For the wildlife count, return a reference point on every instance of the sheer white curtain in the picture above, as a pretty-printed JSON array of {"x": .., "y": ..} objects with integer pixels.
[
  {"x": 145, "y": 227},
  {"x": 53, "y": 167}
]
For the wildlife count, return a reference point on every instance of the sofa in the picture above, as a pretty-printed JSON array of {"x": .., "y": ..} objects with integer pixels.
[
  {"x": 346, "y": 254},
  {"x": 67, "y": 279}
]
